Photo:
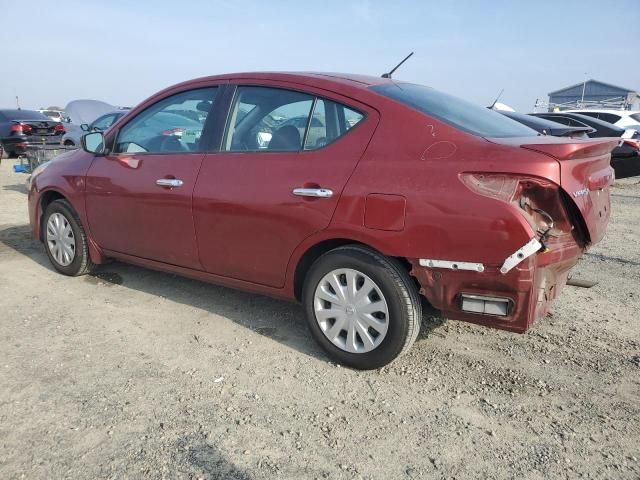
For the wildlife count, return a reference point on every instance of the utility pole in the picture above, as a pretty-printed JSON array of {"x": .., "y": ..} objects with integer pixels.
[{"x": 18, "y": 102}]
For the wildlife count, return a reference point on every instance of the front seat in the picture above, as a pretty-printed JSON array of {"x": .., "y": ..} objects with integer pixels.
[{"x": 286, "y": 138}]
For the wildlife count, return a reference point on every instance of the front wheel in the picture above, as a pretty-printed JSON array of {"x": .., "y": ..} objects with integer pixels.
[
  {"x": 65, "y": 239},
  {"x": 362, "y": 308}
]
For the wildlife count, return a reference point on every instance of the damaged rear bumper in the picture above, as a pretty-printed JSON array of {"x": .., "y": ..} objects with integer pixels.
[{"x": 525, "y": 289}]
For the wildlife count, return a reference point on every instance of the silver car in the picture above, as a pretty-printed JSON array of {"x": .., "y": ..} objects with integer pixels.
[
  {"x": 75, "y": 132},
  {"x": 87, "y": 115}
]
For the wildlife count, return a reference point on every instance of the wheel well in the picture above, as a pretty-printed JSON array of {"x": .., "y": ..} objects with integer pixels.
[
  {"x": 45, "y": 200},
  {"x": 69, "y": 143},
  {"x": 319, "y": 249}
]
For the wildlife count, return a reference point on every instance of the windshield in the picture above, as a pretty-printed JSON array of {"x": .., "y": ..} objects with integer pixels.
[{"x": 456, "y": 112}]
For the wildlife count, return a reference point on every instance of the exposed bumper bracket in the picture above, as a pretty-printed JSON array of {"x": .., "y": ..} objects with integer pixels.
[
  {"x": 451, "y": 265},
  {"x": 529, "y": 248}
]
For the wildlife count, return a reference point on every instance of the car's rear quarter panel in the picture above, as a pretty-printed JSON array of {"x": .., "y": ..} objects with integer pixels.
[
  {"x": 444, "y": 219},
  {"x": 420, "y": 160}
]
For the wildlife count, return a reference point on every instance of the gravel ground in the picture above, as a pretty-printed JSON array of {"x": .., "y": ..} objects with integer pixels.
[{"x": 138, "y": 374}]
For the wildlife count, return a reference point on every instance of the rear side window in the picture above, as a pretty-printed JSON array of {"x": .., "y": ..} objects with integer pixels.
[
  {"x": 329, "y": 122},
  {"x": 263, "y": 118},
  {"x": 609, "y": 117},
  {"x": 636, "y": 117},
  {"x": 276, "y": 119},
  {"x": 458, "y": 113}
]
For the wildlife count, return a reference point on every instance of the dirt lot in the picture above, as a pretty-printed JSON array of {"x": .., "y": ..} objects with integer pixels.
[{"x": 137, "y": 374}]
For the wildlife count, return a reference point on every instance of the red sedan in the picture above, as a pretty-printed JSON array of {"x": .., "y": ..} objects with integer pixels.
[{"x": 354, "y": 195}]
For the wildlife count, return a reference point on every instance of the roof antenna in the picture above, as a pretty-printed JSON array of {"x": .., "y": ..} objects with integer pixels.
[
  {"x": 388, "y": 75},
  {"x": 490, "y": 107}
]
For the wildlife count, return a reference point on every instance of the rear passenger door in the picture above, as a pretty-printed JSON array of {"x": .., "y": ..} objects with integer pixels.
[{"x": 284, "y": 159}]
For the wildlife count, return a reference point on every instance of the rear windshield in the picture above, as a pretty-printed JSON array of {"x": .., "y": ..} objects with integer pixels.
[
  {"x": 456, "y": 112},
  {"x": 23, "y": 115}
]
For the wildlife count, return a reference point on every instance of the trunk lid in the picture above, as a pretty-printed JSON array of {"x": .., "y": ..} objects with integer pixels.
[
  {"x": 585, "y": 176},
  {"x": 39, "y": 127}
]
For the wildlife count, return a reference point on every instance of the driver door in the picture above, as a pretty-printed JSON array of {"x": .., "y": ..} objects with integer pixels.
[{"x": 138, "y": 197}]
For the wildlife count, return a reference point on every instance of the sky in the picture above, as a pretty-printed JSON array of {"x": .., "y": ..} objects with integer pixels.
[{"x": 123, "y": 51}]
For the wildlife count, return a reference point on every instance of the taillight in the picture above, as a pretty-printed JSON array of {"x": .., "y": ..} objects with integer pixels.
[
  {"x": 21, "y": 128},
  {"x": 174, "y": 131},
  {"x": 59, "y": 128},
  {"x": 537, "y": 199},
  {"x": 500, "y": 187}
]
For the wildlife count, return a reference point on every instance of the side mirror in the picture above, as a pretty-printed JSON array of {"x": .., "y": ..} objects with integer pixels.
[
  {"x": 84, "y": 127},
  {"x": 93, "y": 142}
]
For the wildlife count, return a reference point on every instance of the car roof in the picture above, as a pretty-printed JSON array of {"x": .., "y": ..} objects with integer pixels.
[
  {"x": 348, "y": 84},
  {"x": 306, "y": 77}
]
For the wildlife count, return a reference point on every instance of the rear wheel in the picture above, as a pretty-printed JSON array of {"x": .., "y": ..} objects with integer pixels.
[
  {"x": 361, "y": 307},
  {"x": 65, "y": 239}
]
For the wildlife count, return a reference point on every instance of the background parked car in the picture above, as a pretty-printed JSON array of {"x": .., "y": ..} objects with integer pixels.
[
  {"x": 72, "y": 137},
  {"x": 548, "y": 127},
  {"x": 55, "y": 115},
  {"x": 21, "y": 128},
  {"x": 620, "y": 118},
  {"x": 81, "y": 112},
  {"x": 625, "y": 159}
]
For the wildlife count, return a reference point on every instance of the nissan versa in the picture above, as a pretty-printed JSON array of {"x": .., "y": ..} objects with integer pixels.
[{"x": 396, "y": 191}]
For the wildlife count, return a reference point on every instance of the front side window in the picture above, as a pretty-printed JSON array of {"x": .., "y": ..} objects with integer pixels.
[
  {"x": 173, "y": 125},
  {"x": 458, "y": 113},
  {"x": 267, "y": 119}
]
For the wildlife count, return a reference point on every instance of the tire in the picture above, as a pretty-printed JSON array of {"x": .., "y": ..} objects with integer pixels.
[
  {"x": 80, "y": 263},
  {"x": 391, "y": 288}
]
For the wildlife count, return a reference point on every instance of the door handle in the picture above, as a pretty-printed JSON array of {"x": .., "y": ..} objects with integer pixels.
[
  {"x": 313, "y": 192},
  {"x": 169, "y": 182}
]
